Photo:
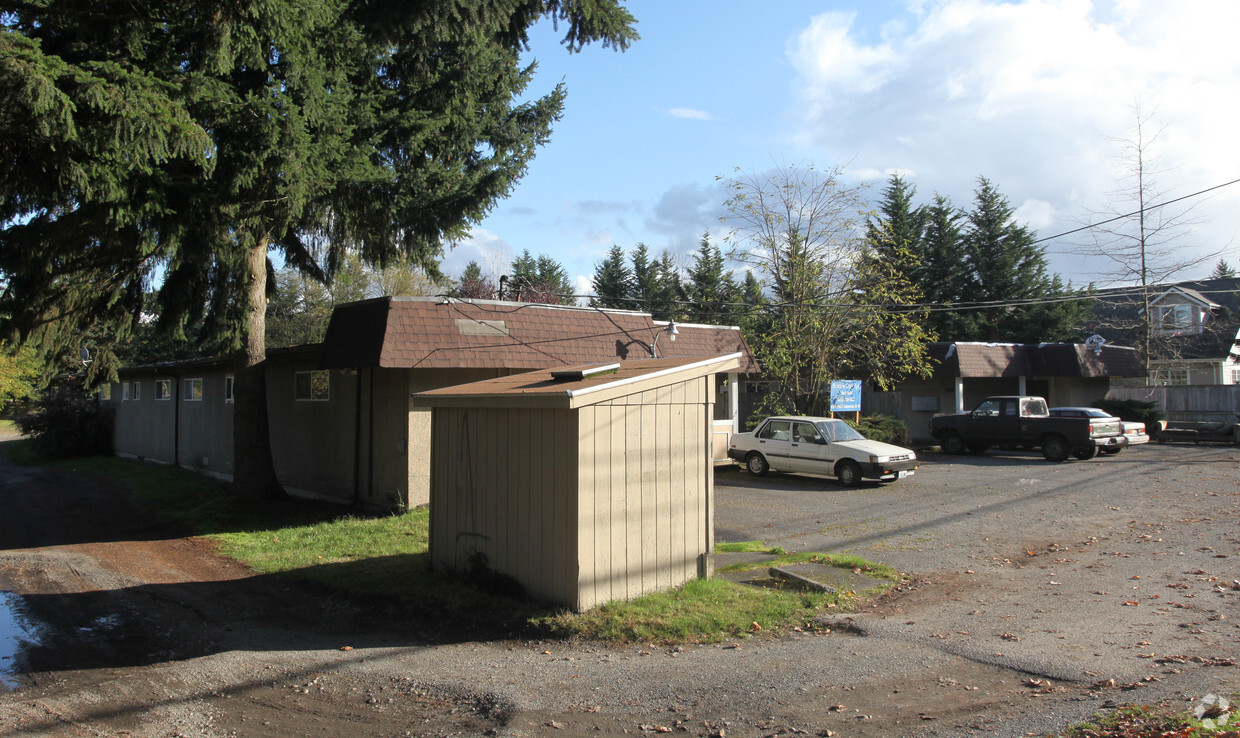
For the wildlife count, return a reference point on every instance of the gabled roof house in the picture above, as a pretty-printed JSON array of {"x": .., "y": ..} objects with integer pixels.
[{"x": 1195, "y": 329}]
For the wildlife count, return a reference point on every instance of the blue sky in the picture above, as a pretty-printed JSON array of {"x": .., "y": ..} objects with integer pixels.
[{"x": 1032, "y": 95}]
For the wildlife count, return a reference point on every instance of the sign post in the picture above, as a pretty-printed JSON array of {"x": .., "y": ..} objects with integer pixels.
[{"x": 846, "y": 397}]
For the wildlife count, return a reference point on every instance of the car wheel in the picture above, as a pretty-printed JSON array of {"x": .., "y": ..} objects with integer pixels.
[
  {"x": 1055, "y": 448},
  {"x": 756, "y": 464},
  {"x": 848, "y": 473},
  {"x": 1085, "y": 453},
  {"x": 952, "y": 443},
  {"x": 978, "y": 447},
  {"x": 1112, "y": 450}
]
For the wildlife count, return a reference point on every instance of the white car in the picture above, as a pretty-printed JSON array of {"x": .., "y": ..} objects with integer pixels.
[
  {"x": 1134, "y": 432},
  {"x": 820, "y": 446}
]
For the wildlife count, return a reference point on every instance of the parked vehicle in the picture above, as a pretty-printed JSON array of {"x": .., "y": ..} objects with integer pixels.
[
  {"x": 1134, "y": 432},
  {"x": 820, "y": 446},
  {"x": 1026, "y": 422}
]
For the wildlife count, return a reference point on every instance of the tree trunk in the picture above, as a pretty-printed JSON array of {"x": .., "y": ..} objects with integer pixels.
[{"x": 253, "y": 467}]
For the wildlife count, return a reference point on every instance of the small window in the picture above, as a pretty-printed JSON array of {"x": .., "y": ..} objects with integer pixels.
[
  {"x": 135, "y": 393},
  {"x": 314, "y": 386},
  {"x": 105, "y": 391},
  {"x": 1170, "y": 376},
  {"x": 163, "y": 389},
  {"x": 193, "y": 390},
  {"x": 125, "y": 391},
  {"x": 228, "y": 388}
]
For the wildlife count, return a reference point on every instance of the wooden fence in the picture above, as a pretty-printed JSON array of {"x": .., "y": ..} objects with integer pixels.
[{"x": 1210, "y": 403}]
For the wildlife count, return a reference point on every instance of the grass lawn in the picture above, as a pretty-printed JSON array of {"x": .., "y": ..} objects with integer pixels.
[{"x": 383, "y": 560}]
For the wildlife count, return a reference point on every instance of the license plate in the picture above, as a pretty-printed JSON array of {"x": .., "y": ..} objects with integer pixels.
[{"x": 903, "y": 474}]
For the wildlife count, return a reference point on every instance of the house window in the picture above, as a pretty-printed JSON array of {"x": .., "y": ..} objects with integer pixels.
[
  {"x": 163, "y": 389},
  {"x": 313, "y": 386},
  {"x": 193, "y": 390},
  {"x": 1235, "y": 374},
  {"x": 1170, "y": 376},
  {"x": 124, "y": 391},
  {"x": 228, "y": 388},
  {"x": 105, "y": 391},
  {"x": 1173, "y": 319},
  {"x": 135, "y": 392}
]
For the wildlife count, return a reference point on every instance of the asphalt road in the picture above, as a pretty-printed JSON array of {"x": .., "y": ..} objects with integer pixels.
[{"x": 1037, "y": 593}]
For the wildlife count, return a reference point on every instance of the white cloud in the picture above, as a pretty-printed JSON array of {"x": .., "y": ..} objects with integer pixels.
[
  {"x": 690, "y": 114},
  {"x": 1030, "y": 95}
]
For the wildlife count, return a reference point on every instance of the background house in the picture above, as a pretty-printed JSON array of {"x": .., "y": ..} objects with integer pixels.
[
  {"x": 586, "y": 484},
  {"x": 1195, "y": 327},
  {"x": 966, "y": 373}
]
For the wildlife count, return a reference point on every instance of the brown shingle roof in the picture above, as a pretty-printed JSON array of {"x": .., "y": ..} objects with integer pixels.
[
  {"x": 1033, "y": 360},
  {"x": 408, "y": 332}
]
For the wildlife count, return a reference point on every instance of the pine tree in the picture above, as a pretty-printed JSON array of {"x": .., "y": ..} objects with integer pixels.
[
  {"x": 645, "y": 278},
  {"x": 612, "y": 281},
  {"x": 146, "y": 137},
  {"x": 1223, "y": 270},
  {"x": 901, "y": 225},
  {"x": 540, "y": 279},
  {"x": 711, "y": 289},
  {"x": 667, "y": 299},
  {"x": 1006, "y": 269},
  {"x": 474, "y": 285},
  {"x": 941, "y": 271}
]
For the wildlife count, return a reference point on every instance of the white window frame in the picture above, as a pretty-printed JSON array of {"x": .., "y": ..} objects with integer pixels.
[
  {"x": 166, "y": 392},
  {"x": 135, "y": 393},
  {"x": 192, "y": 389},
  {"x": 1169, "y": 377},
  {"x": 1173, "y": 319},
  {"x": 229, "y": 381},
  {"x": 311, "y": 389}
]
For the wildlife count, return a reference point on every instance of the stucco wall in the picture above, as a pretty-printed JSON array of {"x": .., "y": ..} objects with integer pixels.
[
  {"x": 314, "y": 442},
  {"x": 205, "y": 425},
  {"x": 143, "y": 428}
]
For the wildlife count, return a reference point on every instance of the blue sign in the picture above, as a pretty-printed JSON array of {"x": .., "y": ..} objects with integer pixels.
[{"x": 845, "y": 395}]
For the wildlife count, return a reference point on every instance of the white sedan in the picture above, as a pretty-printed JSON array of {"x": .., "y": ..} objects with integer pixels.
[
  {"x": 1134, "y": 432},
  {"x": 820, "y": 446}
]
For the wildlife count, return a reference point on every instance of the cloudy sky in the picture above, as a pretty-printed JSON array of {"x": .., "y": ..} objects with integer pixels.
[{"x": 1036, "y": 96}]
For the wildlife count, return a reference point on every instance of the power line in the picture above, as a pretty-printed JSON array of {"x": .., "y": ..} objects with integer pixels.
[{"x": 1136, "y": 212}]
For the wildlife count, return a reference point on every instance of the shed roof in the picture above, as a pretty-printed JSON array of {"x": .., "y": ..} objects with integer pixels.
[
  {"x": 408, "y": 332},
  {"x": 542, "y": 388},
  {"x": 964, "y": 359}
]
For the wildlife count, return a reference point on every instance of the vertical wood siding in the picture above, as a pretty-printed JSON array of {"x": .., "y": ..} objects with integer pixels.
[
  {"x": 644, "y": 490},
  {"x": 503, "y": 487}
]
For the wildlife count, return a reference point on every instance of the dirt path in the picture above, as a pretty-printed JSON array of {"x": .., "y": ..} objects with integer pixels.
[{"x": 147, "y": 633}]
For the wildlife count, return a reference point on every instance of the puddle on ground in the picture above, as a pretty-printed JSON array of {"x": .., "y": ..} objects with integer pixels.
[{"x": 16, "y": 633}]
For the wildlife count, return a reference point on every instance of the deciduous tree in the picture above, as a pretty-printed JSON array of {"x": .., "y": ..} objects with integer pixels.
[{"x": 803, "y": 231}]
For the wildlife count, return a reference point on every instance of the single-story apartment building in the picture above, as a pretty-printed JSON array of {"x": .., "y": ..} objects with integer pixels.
[{"x": 342, "y": 426}]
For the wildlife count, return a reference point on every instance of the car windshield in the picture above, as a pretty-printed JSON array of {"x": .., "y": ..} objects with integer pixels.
[{"x": 838, "y": 430}]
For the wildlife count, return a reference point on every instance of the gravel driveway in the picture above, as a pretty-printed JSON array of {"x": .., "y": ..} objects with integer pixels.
[{"x": 1038, "y": 593}]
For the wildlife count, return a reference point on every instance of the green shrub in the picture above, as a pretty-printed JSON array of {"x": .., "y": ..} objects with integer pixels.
[
  {"x": 883, "y": 428},
  {"x": 68, "y": 422},
  {"x": 1133, "y": 411}
]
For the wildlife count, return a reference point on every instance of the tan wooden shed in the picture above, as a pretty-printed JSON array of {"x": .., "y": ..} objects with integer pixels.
[{"x": 584, "y": 484}]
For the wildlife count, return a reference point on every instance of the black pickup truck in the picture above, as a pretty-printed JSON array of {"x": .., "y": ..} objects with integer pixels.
[{"x": 1025, "y": 422}]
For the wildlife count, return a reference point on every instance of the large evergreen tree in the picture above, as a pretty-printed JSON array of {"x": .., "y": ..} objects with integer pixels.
[
  {"x": 711, "y": 291},
  {"x": 612, "y": 281},
  {"x": 1008, "y": 277},
  {"x": 941, "y": 271},
  {"x": 539, "y": 279},
  {"x": 191, "y": 139}
]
